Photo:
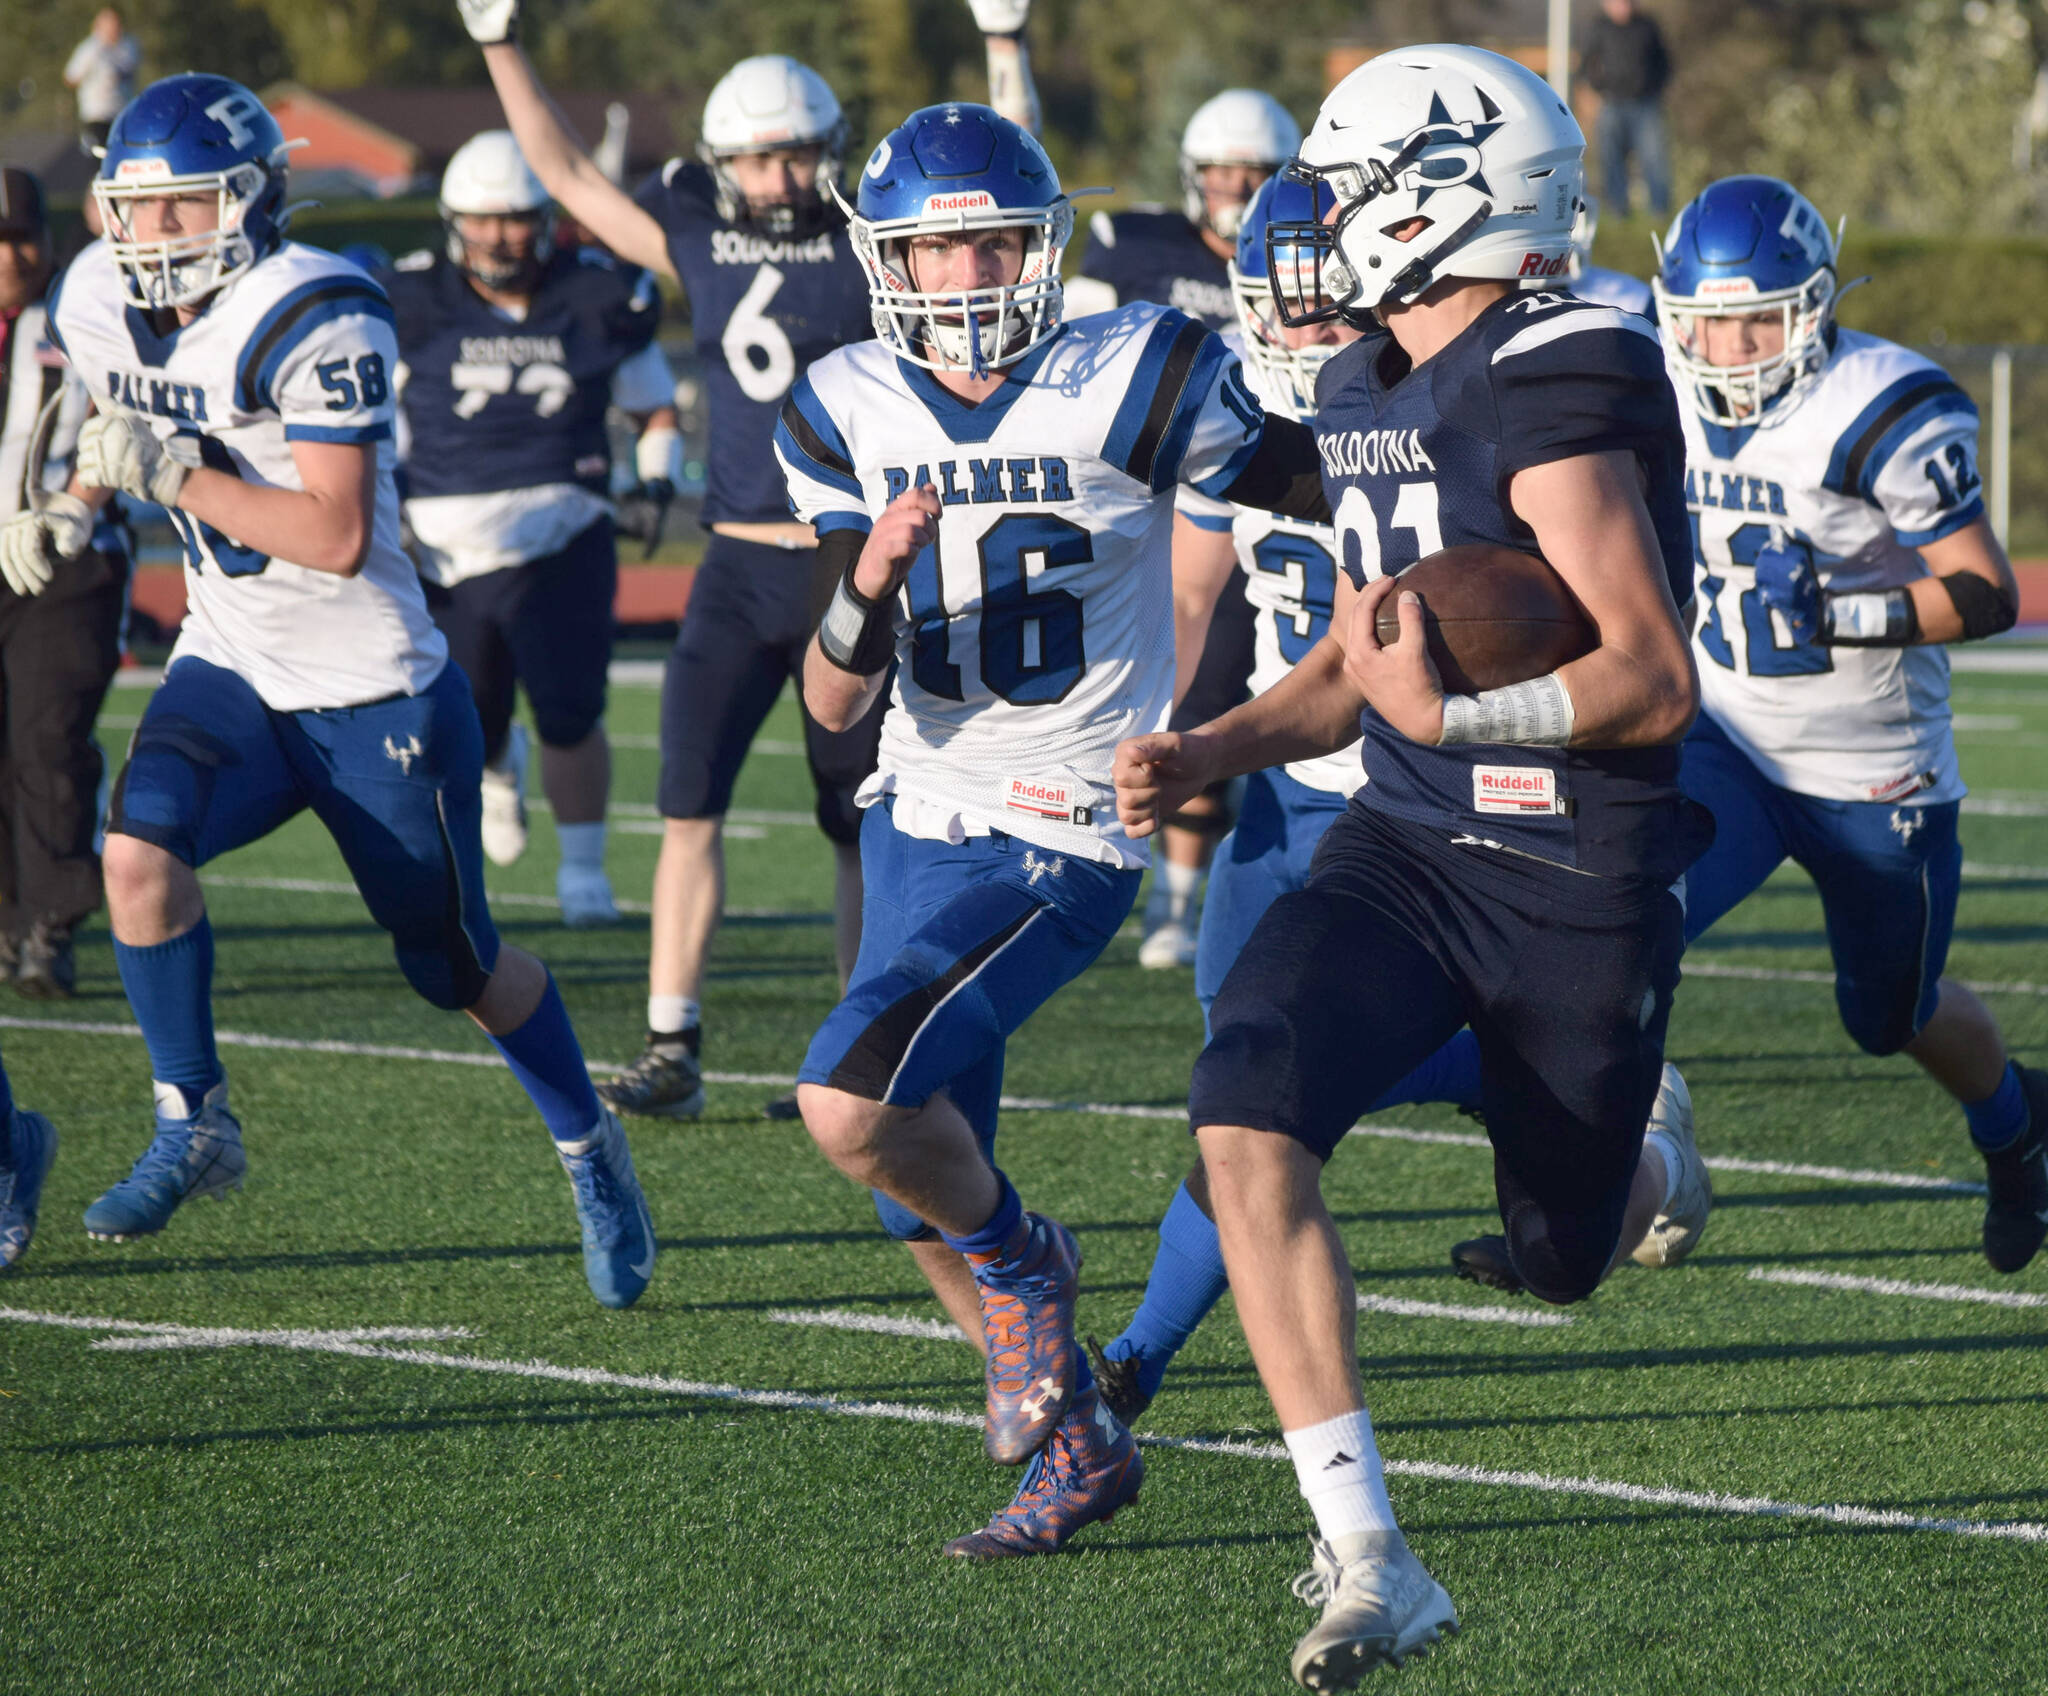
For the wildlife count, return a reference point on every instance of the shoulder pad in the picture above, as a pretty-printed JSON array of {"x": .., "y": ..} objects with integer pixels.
[
  {"x": 1102, "y": 226},
  {"x": 420, "y": 259}
]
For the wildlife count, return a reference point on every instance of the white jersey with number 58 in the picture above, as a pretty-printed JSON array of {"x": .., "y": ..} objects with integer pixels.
[
  {"x": 298, "y": 348},
  {"x": 1876, "y": 459},
  {"x": 1037, "y": 632}
]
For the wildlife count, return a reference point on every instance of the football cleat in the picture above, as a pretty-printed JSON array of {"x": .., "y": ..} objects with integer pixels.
[
  {"x": 504, "y": 821},
  {"x": 618, "y": 1233},
  {"x": 46, "y": 967},
  {"x": 1168, "y": 944},
  {"x": 1378, "y": 1610},
  {"x": 782, "y": 1109},
  {"x": 1485, "y": 1260},
  {"x": 1089, "y": 1469},
  {"x": 1027, "y": 1319},
  {"x": 189, "y": 1157},
  {"x": 584, "y": 894},
  {"x": 34, "y": 1151},
  {"x": 1118, "y": 1382},
  {"x": 664, "y": 1083},
  {"x": 1675, "y": 1232},
  {"x": 2016, "y": 1216}
]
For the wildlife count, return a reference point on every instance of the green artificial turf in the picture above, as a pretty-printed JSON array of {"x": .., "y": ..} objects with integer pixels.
[{"x": 263, "y": 1516}]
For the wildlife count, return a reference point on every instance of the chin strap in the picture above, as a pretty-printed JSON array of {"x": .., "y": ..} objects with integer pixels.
[{"x": 1419, "y": 273}]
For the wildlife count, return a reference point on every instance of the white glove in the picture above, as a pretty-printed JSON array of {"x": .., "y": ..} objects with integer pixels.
[
  {"x": 1000, "y": 17},
  {"x": 658, "y": 458},
  {"x": 116, "y": 451},
  {"x": 491, "y": 22},
  {"x": 33, "y": 544}
]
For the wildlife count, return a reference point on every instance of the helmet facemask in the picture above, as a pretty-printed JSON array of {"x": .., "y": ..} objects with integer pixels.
[
  {"x": 975, "y": 330},
  {"x": 1289, "y": 372},
  {"x": 500, "y": 267},
  {"x": 1732, "y": 394},
  {"x": 785, "y": 220},
  {"x": 185, "y": 269}
]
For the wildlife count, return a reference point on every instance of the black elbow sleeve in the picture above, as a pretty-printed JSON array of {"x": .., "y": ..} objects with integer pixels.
[
  {"x": 836, "y": 553},
  {"x": 1984, "y": 607},
  {"x": 1284, "y": 474}
]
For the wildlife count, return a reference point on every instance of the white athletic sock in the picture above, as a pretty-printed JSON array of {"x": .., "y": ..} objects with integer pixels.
[
  {"x": 670, "y": 1015},
  {"x": 582, "y": 845},
  {"x": 1337, "y": 1464},
  {"x": 1667, "y": 1151},
  {"x": 1182, "y": 884}
]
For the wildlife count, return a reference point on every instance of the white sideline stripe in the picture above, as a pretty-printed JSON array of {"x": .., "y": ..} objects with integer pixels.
[
  {"x": 1780, "y": 974},
  {"x": 1408, "y": 1309},
  {"x": 888, "y": 1325},
  {"x": 498, "y": 898},
  {"x": 1896, "y": 1287},
  {"x": 1009, "y": 1103},
  {"x": 150, "y": 1335},
  {"x": 907, "y": 1413},
  {"x": 1718, "y": 1163}
]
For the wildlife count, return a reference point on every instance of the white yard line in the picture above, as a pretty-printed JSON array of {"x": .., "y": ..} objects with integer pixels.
[
  {"x": 1977, "y": 868},
  {"x": 1998, "y": 658},
  {"x": 2009, "y": 805},
  {"x": 1781, "y": 974},
  {"x": 1405, "y": 1308},
  {"x": 1968, "y": 722},
  {"x": 882, "y": 1324},
  {"x": 1897, "y": 1287},
  {"x": 1009, "y": 1103},
  {"x": 498, "y": 898},
  {"x": 1763, "y": 1507}
]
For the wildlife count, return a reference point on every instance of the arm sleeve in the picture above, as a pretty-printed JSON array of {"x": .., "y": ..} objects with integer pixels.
[
  {"x": 1578, "y": 380},
  {"x": 836, "y": 550},
  {"x": 1284, "y": 474},
  {"x": 334, "y": 382},
  {"x": 817, "y": 465}
]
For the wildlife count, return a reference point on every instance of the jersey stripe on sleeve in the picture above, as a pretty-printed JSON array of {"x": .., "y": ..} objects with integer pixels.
[
  {"x": 810, "y": 440},
  {"x": 1875, "y": 434},
  {"x": 1150, "y": 430},
  {"x": 294, "y": 318}
]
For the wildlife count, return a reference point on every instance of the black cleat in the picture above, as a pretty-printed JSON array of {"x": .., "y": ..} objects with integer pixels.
[
  {"x": 1485, "y": 1260},
  {"x": 1118, "y": 1382},
  {"x": 2016, "y": 1217},
  {"x": 782, "y": 1109}
]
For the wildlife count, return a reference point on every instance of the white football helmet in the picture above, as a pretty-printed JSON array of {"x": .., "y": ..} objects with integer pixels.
[
  {"x": 1584, "y": 227},
  {"x": 489, "y": 176},
  {"x": 769, "y": 102},
  {"x": 1479, "y": 148},
  {"x": 1240, "y": 126}
]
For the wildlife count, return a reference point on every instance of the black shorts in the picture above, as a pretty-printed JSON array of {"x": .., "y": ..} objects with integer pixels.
[
  {"x": 743, "y": 637},
  {"x": 545, "y": 625},
  {"x": 1398, "y": 939}
]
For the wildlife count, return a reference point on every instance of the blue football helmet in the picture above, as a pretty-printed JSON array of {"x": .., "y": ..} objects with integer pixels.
[
  {"x": 1747, "y": 246},
  {"x": 959, "y": 167},
  {"x": 1290, "y": 371},
  {"x": 186, "y": 136}
]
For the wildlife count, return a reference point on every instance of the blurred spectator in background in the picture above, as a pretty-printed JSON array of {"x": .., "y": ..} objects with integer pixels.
[
  {"x": 60, "y": 617},
  {"x": 1626, "y": 64},
  {"x": 102, "y": 68}
]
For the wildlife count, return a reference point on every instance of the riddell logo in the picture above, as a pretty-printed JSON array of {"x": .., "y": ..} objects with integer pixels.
[
  {"x": 1536, "y": 265},
  {"x": 1514, "y": 789},
  {"x": 974, "y": 200}
]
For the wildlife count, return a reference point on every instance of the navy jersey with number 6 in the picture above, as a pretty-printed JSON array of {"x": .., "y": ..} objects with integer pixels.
[
  {"x": 495, "y": 402},
  {"x": 1419, "y": 460},
  {"x": 761, "y": 310},
  {"x": 1154, "y": 253}
]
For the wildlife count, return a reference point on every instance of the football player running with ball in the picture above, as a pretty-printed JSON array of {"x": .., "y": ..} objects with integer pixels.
[
  {"x": 244, "y": 383},
  {"x": 752, "y": 233},
  {"x": 1841, "y": 536},
  {"x": 994, "y": 493},
  {"x": 1476, "y": 413}
]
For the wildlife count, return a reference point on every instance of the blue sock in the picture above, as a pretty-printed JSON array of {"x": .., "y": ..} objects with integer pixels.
[
  {"x": 6, "y": 1123},
  {"x": 170, "y": 986},
  {"x": 547, "y": 1060},
  {"x": 2000, "y": 1119},
  {"x": 989, "y": 1242},
  {"x": 1450, "y": 1074},
  {"x": 1187, "y": 1280}
]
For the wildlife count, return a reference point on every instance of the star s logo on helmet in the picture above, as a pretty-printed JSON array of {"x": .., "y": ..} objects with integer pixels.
[{"x": 1446, "y": 152}]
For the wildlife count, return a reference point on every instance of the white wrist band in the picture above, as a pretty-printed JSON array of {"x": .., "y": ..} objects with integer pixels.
[{"x": 1537, "y": 713}]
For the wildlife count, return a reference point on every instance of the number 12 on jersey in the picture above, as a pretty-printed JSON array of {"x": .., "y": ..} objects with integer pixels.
[{"x": 1033, "y": 648}]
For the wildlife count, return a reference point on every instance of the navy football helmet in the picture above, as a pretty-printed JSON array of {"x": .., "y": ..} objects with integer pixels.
[
  {"x": 961, "y": 167},
  {"x": 192, "y": 135},
  {"x": 1290, "y": 371},
  {"x": 1745, "y": 246}
]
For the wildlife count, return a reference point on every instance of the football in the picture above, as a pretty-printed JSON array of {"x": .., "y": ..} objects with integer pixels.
[{"x": 1494, "y": 616}]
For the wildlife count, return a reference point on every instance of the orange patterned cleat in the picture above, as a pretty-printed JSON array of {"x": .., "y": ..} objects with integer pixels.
[
  {"x": 1027, "y": 1317},
  {"x": 1088, "y": 1470}
]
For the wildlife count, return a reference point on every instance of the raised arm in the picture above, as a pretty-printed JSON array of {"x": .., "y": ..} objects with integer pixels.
[
  {"x": 569, "y": 173},
  {"x": 1011, "y": 90}
]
